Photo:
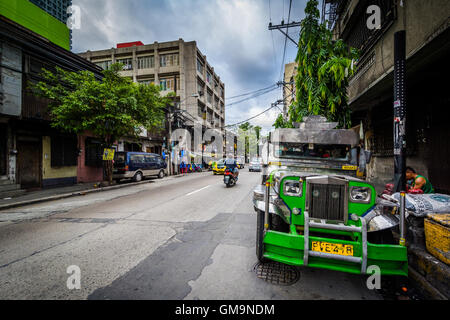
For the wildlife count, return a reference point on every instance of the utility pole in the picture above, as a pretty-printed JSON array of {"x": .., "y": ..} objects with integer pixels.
[
  {"x": 399, "y": 111},
  {"x": 283, "y": 26},
  {"x": 169, "y": 140}
]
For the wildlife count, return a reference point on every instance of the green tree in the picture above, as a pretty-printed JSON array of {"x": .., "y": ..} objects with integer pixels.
[
  {"x": 110, "y": 109},
  {"x": 280, "y": 122},
  {"x": 324, "y": 67},
  {"x": 257, "y": 130},
  {"x": 245, "y": 126}
]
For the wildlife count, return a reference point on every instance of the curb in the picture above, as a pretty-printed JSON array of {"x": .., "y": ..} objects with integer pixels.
[
  {"x": 79, "y": 193},
  {"x": 430, "y": 275}
]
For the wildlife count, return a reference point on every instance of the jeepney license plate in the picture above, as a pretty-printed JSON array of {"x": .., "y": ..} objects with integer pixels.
[{"x": 332, "y": 248}]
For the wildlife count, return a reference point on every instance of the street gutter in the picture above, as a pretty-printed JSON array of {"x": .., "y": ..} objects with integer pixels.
[{"x": 80, "y": 193}]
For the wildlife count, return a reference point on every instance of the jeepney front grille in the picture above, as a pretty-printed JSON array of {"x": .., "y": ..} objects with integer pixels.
[{"x": 327, "y": 201}]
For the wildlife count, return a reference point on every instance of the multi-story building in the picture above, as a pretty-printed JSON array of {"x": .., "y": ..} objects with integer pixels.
[
  {"x": 57, "y": 9},
  {"x": 371, "y": 88},
  {"x": 175, "y": 66},
  {"x": 37, "y": 20},
  {"x": 32, "y": 153}
]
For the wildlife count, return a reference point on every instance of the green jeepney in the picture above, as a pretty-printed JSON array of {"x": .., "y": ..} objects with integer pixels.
[{"x": 313, "y": 210}]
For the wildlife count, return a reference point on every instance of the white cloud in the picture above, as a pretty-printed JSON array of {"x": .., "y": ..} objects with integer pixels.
[{"x": 233, "y": 34}]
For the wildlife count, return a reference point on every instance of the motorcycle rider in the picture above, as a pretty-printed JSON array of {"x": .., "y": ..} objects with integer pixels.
[{"x": 230, "y": 163}]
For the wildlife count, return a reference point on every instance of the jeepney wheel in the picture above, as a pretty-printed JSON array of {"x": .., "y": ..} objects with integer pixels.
[{"x": 260, "y": 236}]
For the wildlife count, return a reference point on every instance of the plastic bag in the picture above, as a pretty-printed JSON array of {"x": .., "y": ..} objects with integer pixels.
[{"x": 421, "y": 204}]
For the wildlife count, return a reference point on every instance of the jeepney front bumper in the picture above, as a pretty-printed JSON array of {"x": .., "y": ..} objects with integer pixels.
[{"x": 295, "y": 248}]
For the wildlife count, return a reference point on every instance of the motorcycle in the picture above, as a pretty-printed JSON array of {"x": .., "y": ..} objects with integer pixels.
[{"x": 230, "y": 178}]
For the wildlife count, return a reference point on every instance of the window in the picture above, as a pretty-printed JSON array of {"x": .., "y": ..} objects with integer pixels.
[
  {"x": 146, "y": 62},
  {"x": 313, "y": 151},
  {"x": 137, "y": 159},
  {"x": 201, "y": 112},
  {"x": 168, "y": 60},
  {"x": 169, "y": 84},
  {"x": 147, "y": 82},
  {"x": 200, "y": 86},
  {"x": 93, "y": 153},
  {"x": 127, "y": 63},
  {"x": 199, "y": 66},
  {"x": 64, "y": 151},
  {"x": 105, "y": 65},
  {"x": 209, "y": 97},
  {"x": 208, "y": 77}
]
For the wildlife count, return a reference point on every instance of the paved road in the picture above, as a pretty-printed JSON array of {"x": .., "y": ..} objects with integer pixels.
[{"x": 176, "y": 238}]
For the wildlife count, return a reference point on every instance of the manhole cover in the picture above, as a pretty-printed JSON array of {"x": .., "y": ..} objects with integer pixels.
[{"x": 277, "y": 273}]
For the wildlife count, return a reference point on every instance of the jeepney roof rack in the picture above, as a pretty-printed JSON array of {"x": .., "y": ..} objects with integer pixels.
[{"x": 316, "y": 129}]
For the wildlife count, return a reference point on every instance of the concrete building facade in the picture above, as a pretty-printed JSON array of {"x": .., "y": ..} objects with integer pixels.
[
  {"x": 32, "y": 153},
  {"x": 371, "y": 89},
  {"x": 175, "y": 66}
]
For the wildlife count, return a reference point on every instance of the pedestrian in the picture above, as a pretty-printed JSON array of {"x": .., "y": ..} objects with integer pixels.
[
  {"x": 418, "y": 181},
  {"x": 182, "y": 167}
]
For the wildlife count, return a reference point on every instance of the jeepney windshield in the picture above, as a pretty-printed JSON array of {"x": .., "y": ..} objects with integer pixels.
[{"x": 312, "y": 151}]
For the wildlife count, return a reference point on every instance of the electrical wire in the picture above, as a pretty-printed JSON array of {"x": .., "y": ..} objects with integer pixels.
[
  {"x": 235, "y": 124},
  {"x": 252, "y": 92},
  {"x": 285, "y": 39},
  {"x": 252, "y": 97}
]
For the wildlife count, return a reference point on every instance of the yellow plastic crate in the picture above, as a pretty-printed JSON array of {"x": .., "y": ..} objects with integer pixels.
[{"x": 437, "y": 235}]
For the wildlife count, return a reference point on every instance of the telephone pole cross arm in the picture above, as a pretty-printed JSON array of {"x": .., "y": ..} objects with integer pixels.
[{"x": 285, "y": 25}]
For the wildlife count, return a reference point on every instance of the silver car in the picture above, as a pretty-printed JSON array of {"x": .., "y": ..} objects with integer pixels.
[{"x": 255, "y": 164}]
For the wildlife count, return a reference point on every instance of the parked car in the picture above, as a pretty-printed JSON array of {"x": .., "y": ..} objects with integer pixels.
[
  {"x": 255, "y": 164},
  {"x": 138, "y": 165}
]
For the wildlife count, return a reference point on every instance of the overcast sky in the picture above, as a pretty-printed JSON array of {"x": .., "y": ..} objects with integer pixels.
[{"x": 233, "y": 34}]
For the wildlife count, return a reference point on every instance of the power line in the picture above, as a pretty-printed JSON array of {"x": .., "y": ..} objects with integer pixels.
[
  {"x": 235, "y": 124},
  {"x": 285, "y": 39},
  {"x": 253, "y": 96},
  {"x": 252, "y": 92}
]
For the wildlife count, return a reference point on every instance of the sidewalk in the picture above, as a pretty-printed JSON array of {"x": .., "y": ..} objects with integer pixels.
[{"x": 70, "y": 191}]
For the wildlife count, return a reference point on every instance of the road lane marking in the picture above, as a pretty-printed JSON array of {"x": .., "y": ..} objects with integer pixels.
[{"x": 191, "y": 193}]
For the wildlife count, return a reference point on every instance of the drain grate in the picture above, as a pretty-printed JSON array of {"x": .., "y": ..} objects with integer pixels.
[{"x": 277, "y": 273}]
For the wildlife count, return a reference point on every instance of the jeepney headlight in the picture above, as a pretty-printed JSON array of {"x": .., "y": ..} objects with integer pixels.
[
  {"x": 360, "y": 194},
  {"x": 292, "y": 188}
]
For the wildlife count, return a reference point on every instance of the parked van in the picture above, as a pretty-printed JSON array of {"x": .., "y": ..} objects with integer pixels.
[{"x": 137, "y": 165}]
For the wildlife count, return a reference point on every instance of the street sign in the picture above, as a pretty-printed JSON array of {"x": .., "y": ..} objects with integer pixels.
[{"x": 108, "y": 154}]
